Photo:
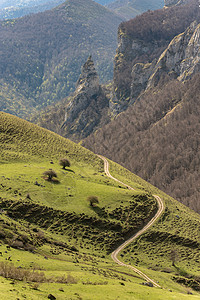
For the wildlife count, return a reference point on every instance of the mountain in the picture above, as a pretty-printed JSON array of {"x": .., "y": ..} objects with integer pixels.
[
  {"x": 51, "y": 236},
  {"x": 131, "y": 76},
  {"x": 143, "y": 40},
  {"x": 157, "y": 137},
  {"x": 126, "y": 9},
  {"x": 86, "y": 110},
  {"x": 41, "y": 55},
  {"x": 17, "y": 9},
  {"x": 163, "y": 119},
  {"x": 130, "y": 9},
  {"x": 180, "y": 61}
]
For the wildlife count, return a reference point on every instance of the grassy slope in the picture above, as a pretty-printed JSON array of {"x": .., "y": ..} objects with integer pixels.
[{"x": 26, "y": 153}]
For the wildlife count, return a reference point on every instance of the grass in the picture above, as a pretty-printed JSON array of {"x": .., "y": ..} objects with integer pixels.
[{"x": 63, "y": 235}]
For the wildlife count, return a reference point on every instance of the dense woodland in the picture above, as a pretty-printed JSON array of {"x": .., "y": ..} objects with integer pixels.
[
  {"x": 158, "y": 138},
  {"x": 41, "y": 55},
  {"x": 154, "y": 30}
]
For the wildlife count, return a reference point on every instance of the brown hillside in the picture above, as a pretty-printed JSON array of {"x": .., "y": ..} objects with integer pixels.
[
  {"x": 144, "y": 38},
  {"x": 158, "y": 138}
]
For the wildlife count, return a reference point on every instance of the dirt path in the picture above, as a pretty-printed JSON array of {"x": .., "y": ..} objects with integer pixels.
[{"x": 126, "y": 243}]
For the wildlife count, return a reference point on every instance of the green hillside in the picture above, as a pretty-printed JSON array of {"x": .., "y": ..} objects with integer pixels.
[{"x": 59, "y": 243}]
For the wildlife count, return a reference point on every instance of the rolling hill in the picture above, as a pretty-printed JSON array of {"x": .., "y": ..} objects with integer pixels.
[
  {"x": 48, "y": 229},
  {"x": 41, "y": 55}
]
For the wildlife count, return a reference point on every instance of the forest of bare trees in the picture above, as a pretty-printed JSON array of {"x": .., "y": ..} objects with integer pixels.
[{"x": 158, "y": 138}]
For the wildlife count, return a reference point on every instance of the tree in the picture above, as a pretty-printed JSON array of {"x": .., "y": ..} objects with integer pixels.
[
  {"x": 93, "y": 200},
  {"x": 173, "y": 256},
  {"x": 50, "y": 174},
  {"x": 64, "y": 162}
]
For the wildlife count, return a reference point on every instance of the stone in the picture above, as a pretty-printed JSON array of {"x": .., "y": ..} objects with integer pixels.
[
  {"x": 88, "y": 104},
  {"x": 180, "y": 60},
  {"x": 51, "y": 297}
]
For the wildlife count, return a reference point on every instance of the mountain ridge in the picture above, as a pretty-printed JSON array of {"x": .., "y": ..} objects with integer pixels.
[{"x": 41, "y": 54}]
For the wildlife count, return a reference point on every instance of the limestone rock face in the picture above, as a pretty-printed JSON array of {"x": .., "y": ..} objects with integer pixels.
[
  {"x": 128, "y": 50},
  {"x": 180, "y": 60},
  {"x": 140, "y": 77},
  {"x": 84, "y": 111}
]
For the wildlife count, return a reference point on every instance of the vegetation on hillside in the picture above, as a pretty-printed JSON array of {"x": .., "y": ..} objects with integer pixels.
[
  {"x": 158, "y": 139},
  {"x": 41, "y": 55},
  {"x": 153, "y": 30},
  {"x": 50, "y": 234}
]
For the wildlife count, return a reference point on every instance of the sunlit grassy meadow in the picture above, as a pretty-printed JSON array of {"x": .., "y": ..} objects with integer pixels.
[{"x": 50, "y": 227}]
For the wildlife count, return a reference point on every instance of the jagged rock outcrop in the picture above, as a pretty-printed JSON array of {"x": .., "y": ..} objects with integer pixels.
[
  {"x": 128, "y": 51},
  {"x": 142, "y": 40},
  {"x": 88, "y": 105},
  {"x": 181, "y": 60}
]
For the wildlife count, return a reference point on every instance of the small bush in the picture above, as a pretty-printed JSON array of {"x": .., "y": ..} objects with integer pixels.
[
  {"x": 8, "y": 270},
  {"x": 68, "y": 279},
  {"x": 64, "y": 162},
  {"x": 50, "y": 174},
  {"x": 93, "y": 200}
]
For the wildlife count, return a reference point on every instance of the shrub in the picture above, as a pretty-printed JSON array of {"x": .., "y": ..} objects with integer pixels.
[
  {"x": 8, "y": 270},
  {"x": 64, "y": 162},
  {"x": 93, "y": 200},
  {"x": 50, "y": 174}
]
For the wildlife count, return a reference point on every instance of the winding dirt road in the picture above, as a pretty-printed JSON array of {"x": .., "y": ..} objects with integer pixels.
[{"x": 126, "y": 243}]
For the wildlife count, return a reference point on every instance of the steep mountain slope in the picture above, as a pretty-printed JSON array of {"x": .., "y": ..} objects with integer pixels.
[
  {"x": 158, "y": 139},
  {"x": 162, "y": 104},
  {"x": 180, "y": 60},
  {"x": 143, "y": 39},
  {"x": 129, "y": 9},
  {"x": 18, "y": 9},
  {"x": 83, "y": 112},
  {"x": 50, "y": 227},
  {"x": 41, "y": 55}
]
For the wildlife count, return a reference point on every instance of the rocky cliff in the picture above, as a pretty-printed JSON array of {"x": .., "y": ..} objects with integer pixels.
[
  {"x": 180, "y": 60},
  {"x": 152, "y": 45},
  {"x": 88, "y": 105},
  {"x": 82, "y": 113}
]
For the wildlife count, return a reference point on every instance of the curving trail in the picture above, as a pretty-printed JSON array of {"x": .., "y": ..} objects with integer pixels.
[{"x": 151, "y": 222}]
